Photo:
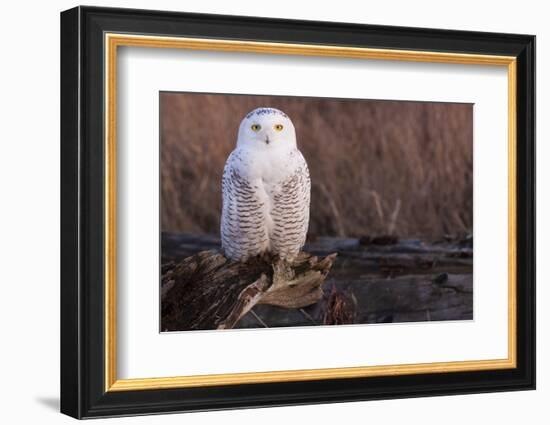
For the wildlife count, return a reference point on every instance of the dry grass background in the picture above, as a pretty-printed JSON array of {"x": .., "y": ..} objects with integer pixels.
[{"x": 377, "y": 167}]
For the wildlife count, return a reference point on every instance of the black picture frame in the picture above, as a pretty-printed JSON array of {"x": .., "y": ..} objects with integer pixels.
[{"x": 83, "y": 392}]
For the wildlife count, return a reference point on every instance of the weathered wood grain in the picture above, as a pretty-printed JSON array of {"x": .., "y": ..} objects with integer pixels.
[
  {"x": 208, "y": 291},
  {"x": 372, "y": 280}
]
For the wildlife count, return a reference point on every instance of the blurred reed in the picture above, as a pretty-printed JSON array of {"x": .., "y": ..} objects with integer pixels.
[{"x": 377, "y": 167}]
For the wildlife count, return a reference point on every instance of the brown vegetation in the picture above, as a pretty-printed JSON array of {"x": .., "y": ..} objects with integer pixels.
[{"x": 377, "y": 167}]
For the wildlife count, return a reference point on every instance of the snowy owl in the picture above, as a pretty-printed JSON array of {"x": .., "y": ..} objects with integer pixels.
[{"x": 265, "y": 189}]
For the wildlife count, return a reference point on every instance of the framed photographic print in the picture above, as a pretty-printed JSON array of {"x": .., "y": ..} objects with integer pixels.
[{"x": 261, "y": 212}]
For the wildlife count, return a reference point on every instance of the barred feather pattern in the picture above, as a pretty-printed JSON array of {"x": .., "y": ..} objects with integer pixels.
[
  {"x": 290, "y": 213},
  {"x": 260, "y": 215},
  {"x": 243, "y": 225}
]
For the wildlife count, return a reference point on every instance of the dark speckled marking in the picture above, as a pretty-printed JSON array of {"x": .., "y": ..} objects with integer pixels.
[{"x": 266, "y": 111}]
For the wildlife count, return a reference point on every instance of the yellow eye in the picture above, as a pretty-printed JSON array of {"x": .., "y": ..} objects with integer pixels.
[
  {"x": 256, "y": 127},
  {"x": 278, "y": 127}
]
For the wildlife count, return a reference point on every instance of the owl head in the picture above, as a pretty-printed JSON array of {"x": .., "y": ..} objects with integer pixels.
[{"x": 266, "y": 128}]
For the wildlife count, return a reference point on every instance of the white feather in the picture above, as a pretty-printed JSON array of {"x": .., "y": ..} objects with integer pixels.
[{"x": 265, "y": 189}]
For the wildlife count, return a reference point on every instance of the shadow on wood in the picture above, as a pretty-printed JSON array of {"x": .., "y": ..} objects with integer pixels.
[
  {"x": 208, "y": 291},
  {"x": 374, "y": 279}
]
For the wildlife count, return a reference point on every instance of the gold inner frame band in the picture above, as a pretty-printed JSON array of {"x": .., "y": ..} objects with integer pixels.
[{"x": 113, "y": 41}]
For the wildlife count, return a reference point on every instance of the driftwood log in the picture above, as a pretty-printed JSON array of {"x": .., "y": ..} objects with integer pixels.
[
  {"x": 208, "y": 291},
  {"x": 378, "y": 279}
]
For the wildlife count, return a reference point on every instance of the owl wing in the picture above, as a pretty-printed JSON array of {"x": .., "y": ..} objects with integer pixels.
[
  {"x": 243, "y": 222},
  {"x": 290, "y": 212}
]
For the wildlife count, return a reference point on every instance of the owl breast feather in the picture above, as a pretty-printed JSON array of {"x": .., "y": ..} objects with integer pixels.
[{"x": 265, "y": 205}]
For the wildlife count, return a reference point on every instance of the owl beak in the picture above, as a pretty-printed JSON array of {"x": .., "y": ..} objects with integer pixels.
[{"x": 266, "y": 139}]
